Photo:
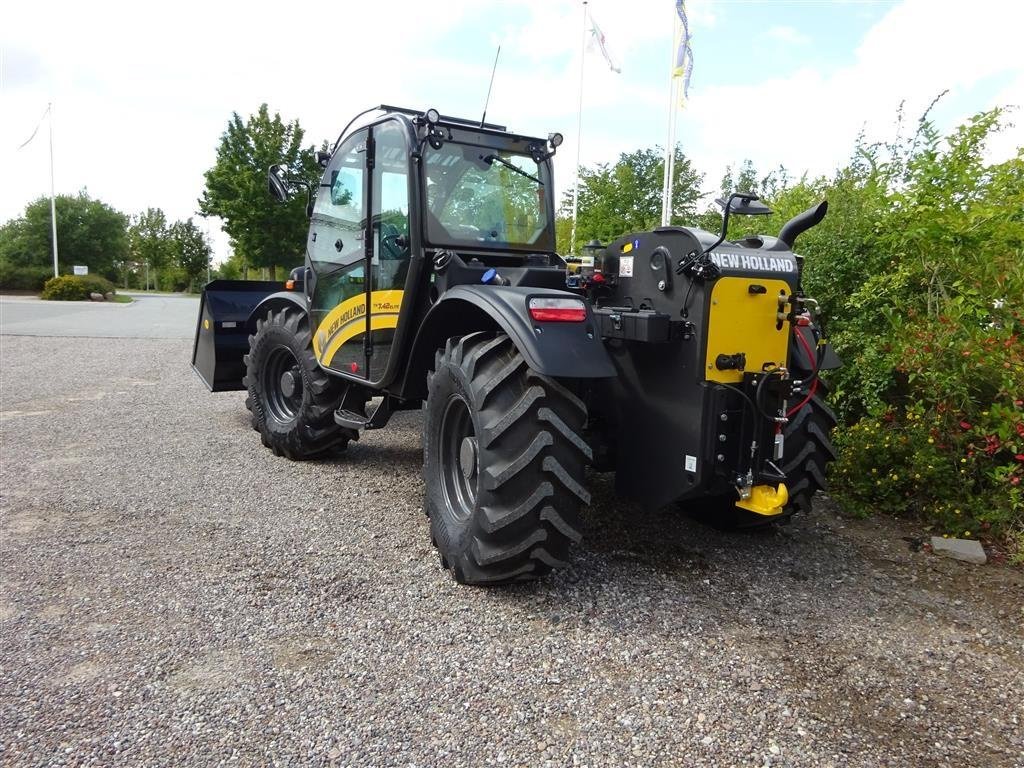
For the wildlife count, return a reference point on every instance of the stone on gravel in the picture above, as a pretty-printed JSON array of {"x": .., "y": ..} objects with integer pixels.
[{"x": 968, "y": 550}]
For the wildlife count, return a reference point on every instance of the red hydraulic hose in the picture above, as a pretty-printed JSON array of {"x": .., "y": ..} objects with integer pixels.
[{"x": 814, "y": 385}]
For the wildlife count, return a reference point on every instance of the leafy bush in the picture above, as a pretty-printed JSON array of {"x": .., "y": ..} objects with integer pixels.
[
  {"x": 919, "y": 267},
  {"x": 938, "y": 387},
  {"x": 15, "y": 278},
  {"x": 75, "y": 288}
]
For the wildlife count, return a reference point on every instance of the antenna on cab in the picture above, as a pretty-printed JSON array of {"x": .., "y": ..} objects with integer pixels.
[{"x": 490, "y": 85}]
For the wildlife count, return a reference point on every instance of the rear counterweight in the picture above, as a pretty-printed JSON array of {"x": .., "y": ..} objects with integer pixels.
[{"x": 679, "y": 424}]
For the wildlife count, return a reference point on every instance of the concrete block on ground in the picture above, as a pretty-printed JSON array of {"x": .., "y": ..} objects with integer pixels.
[{"x": 968, "y": 550}]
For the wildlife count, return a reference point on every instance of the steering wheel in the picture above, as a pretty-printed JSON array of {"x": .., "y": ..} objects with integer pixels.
[{"x": 389, "y": 240}]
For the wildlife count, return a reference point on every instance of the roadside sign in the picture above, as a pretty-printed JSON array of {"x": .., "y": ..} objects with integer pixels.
[{"x": 80, "y": 270}]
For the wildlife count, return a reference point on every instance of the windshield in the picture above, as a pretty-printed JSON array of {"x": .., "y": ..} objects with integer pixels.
[{"x": 480, "y": 195}]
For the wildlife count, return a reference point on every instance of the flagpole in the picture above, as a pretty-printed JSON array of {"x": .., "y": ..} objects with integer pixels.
[
  {"x": 579, "y": 133},
  {"x": 671, "y": 171},
  {"x": 668, "y": 167},
  {"x": 53, "y": 202}
]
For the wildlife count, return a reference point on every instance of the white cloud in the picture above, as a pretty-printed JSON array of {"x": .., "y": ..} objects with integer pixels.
[
  {"x": 809, "y": 120},
  {"x": 142, "y": 91},
  {"x": 788, "y": 35}
]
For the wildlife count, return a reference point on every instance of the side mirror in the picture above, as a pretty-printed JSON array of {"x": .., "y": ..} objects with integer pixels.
[
  {"x": 744, "y": 204},
  {"x": 276, "y": 185},
  {"x": 741, "y": 203},
  {"x": 323, "y": 158}
]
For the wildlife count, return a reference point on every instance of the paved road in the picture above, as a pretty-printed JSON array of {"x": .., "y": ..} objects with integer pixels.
[
  {"x": 159, "y": 317},
  {"x": 172, "y": 594}
]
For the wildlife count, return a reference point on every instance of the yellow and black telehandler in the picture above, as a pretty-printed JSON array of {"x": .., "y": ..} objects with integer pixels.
[{"x": 686, "y": 363}]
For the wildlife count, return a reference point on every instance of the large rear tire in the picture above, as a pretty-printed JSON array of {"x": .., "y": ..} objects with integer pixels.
[
  {"x": 291, "y": 399},
  {"x": 807, "y": 451},
  {"x": 503, "y": 463}
]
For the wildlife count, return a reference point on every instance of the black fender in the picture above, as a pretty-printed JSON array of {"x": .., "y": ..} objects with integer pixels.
[
  {"x": 275, "y": 302},
  {"x": 829, "y": 361},
  {"x": 559, "y": 350}
]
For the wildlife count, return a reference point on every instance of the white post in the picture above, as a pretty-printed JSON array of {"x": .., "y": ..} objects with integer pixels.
[
  {"x": 53, "y": 201},
  {"x": 670, "y": 143},
  {"x": 579, "y": 134},
  {"x": 671, "y": 174}
]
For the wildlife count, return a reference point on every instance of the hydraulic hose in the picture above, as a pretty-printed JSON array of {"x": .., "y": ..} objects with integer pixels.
[{"x": 814, "y": 373}]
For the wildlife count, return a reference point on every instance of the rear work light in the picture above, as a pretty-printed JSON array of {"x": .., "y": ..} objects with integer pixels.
[{"x": 552, "y": 310}]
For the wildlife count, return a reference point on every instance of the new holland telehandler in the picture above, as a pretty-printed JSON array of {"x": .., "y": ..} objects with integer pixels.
[{"x": 685, "y": 363}]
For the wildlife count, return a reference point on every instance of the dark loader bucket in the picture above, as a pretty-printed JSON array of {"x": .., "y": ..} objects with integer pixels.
[{"x": 222, "y": 333}]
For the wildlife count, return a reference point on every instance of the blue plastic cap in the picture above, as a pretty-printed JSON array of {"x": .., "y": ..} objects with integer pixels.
[{"x": 489, "y": 275}]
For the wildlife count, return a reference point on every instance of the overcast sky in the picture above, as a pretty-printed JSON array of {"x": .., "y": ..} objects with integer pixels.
[{"x": 142, "y": 91}]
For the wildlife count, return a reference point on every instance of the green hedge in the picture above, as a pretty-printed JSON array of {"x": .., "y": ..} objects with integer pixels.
[
  {"x": 919, "y": 267},
  {"x": 75, "y": 288},
  {"x": 23, "y": 278}
]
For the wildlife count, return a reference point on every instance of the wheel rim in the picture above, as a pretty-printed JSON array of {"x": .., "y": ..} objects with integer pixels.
[
  {"x": 459, "y": 459},
  {"x": 282, "y": 383}
]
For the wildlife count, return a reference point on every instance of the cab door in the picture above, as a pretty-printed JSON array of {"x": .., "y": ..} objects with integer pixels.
[
  {"x": 337, "y": 252},
  {"x": 391, "y": 240}
]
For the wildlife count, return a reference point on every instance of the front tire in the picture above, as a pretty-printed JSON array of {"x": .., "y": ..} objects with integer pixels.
[
  {"x": 291, "y": 399},
  {"x": 503, "y": 463}
]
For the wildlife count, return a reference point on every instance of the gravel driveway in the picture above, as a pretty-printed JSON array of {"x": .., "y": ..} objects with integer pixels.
[{"x": 174, "y": 595}]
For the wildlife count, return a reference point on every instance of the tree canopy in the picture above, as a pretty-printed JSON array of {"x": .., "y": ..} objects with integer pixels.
[
  {"x": 151, "y": 246},
  {"x": 192, "y": 250},
  {"x": 89, "y": 232},
  {"x": 263, "y": 232},
  {"x": 626, "y": 197}
]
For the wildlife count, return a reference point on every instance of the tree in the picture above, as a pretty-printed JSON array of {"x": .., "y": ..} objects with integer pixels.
[
  {"x": 192, "y": 250},
  {"x": 152, "y": 246},
  {"x": 626, "y": 197},
  {"x": 89, "y": 232},
  {"x": 263, "y": 232},
  {"x": 746, "y": 179},
  {"x": 233, "y": 268}
]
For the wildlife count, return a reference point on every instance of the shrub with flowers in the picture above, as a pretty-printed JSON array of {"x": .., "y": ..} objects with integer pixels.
[
  {"x": 920, "y": 270},
  {"x": 932, "y": 392}
]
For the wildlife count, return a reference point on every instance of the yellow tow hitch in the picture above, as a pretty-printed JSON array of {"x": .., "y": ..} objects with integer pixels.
[{"x": 765, "y": 500}]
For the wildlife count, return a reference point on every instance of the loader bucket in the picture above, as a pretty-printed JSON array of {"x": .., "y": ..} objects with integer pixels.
[{"x": 222, "y": 332}]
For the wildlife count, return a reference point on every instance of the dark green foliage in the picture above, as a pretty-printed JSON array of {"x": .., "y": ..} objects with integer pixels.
[
  {"x": 23, "y": 278},
  {"x": 152, "y": 247},
  {"x": 75, "y": 288},
  {"x": 264, "y": 232},
  {"x": 89, "y": 232},
  {"x": 191, "y": 251},
  {"x": 232, "y": 269}
]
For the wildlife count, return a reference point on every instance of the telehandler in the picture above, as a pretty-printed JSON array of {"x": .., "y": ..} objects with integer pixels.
[{"x": 685, "y": 363}]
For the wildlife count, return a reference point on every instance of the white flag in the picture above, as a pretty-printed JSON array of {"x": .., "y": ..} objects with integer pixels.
[
  {"x": 26, "y": 141},
  {"x": 684, "y": 53},
  {"x": 597, "y": 40}
]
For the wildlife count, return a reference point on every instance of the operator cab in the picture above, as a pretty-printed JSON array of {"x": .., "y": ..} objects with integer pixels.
[{"x": 403, "y": 186}]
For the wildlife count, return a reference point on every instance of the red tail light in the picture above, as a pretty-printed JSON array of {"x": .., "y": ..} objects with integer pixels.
[{"x": 552, "y": 310}]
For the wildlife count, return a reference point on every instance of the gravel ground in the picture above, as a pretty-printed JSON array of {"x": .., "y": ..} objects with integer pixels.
[{"x": 174, "y": 595}]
